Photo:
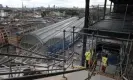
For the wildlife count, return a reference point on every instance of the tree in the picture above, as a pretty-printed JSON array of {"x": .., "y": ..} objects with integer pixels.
[
  {"x": 72, "y": 12},
  {"x": 43, "y": 14}
]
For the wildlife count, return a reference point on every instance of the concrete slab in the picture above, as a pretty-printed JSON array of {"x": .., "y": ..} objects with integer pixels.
[
  {"x": 81, "y": 75},
  {"x": 100, "y": 77}
]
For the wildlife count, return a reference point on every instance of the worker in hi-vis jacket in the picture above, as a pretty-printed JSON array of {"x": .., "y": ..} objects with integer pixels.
[
  {"x": 104, "y": 62},
  {"x": 88, "y": 56}
]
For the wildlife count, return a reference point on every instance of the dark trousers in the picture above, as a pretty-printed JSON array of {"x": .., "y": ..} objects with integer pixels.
[
  {"x": 87, "y": 66},
  {"x": 89, "y": 63},
  {"x": 103, "y": 68}
]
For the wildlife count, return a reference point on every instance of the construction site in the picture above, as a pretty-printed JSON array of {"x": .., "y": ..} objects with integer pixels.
[{"x": 51, "y": 43}]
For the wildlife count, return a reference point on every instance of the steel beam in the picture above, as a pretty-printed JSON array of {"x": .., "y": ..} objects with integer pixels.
[
  {"x": 104, "y": 37},
  {"x": 113, "y": 34}
]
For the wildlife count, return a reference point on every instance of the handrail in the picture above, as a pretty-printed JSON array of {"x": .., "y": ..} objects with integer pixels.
[
  {"x": 36, "y": 53},
  {"x": 30, "y": 49},
  {"x": 124, "y": 78},
  {"x": 26, "y": 56},
  {"x": 27, "y": 71},
  {"x": 37, "y": 47},
  {"x": 43, "y": 75}
]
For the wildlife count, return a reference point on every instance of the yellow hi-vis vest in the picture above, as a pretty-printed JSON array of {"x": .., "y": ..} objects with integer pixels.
[
  {"x": 89, "y": 55},
  {"x": 104, "y": 61}
]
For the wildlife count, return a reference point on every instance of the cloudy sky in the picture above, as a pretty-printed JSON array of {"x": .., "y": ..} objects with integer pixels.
[{"x": 45, "y": 3}]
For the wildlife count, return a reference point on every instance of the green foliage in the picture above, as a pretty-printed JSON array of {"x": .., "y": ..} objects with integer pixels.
[
  {"x": 72, "y": 12},
  {"x": 43, "y": 14}
]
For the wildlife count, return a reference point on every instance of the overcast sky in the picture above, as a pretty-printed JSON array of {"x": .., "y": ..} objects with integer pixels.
[{"x": 45, "y": 3}]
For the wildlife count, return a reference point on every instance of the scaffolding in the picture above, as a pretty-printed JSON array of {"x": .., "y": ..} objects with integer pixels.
[
  {"x": 17, "y": 62},
  {"x": 14, "y": 64}
]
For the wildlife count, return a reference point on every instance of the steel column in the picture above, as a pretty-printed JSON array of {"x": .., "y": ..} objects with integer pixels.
[
  {"x": 110, "y": 6},
  {"x": 105, "y": 3},
  {"x": 125, "y": 16},
  {"x": 73, "y": 44},
  {"x": 64, "y": 33},
  {"x": 98, "y": 13},
  {"x": 86, "y": 25}
]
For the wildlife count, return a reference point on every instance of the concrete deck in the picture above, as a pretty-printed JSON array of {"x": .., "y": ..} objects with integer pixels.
[{"x": 81, "y": 75}]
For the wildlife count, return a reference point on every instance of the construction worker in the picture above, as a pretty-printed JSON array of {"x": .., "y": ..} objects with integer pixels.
[
  {"x": 88, "y": 56},
  {"x": 104, "y": 62}
]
